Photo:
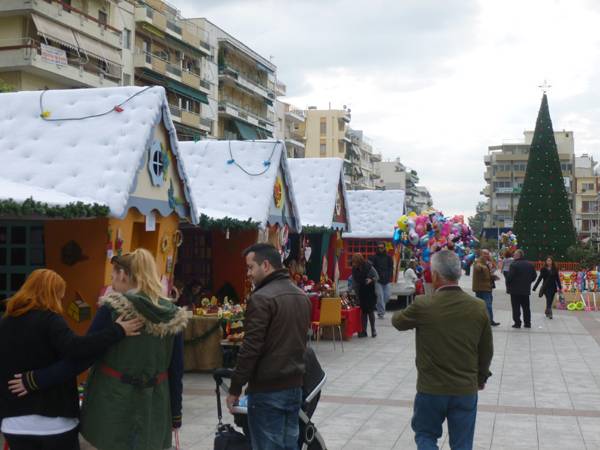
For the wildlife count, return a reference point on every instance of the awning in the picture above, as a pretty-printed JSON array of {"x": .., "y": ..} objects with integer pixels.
[
  {"x": 187, "y": 91},
  {"x": 247, "y": 132},
  {"x": 98, "y": 49},
  {"x": 153, "y": 76},
  {"x": 53, "y": 31}
]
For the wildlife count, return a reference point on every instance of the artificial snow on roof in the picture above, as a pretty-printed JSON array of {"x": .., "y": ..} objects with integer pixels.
[
  {"x": 316, "y": 182},
  {"x": 220, "y": 188},
  {"x": 86, "y": 159},
  {"x": 20, "y": 192},
  {"x": 374, "y": 213}
]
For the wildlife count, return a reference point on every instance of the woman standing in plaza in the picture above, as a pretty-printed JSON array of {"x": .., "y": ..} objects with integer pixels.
[
  {"x": 550, "y": 285},
  {"x": 33, "y": 334},
  {"x": 364, "y": 277},
  {"x": 484, "y": 278},
  {"x": 506, "y": 262}
]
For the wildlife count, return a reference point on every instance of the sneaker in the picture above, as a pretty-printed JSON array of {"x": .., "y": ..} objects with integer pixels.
[
  {"x": 495, "y": 324},
  {"x": 516, "y": 326}
]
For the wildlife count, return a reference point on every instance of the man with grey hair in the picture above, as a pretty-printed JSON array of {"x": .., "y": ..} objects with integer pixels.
[
  {"x": 518, "y": 282},
  {"x": 454, "y": 352}
]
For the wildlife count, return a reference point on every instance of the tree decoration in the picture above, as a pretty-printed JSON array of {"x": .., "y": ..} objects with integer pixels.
[
  {"x": 208, "y": 223},
  {"x": 544, "y": 204},
  {"x": 30, "y": 207}
]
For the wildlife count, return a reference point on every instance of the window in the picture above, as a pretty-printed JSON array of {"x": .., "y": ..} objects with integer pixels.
[
  {"x": 21, "y": 252},
  {"x": 126, "y": 79},
  {"x": 587, "y": 187},
  {"x": 588, "y": 206},
  {"x": 323, "y": 149},
  {"x": 126, "y": 38},
  {"x": 520, "y": 167},
  {"x": 565, "y": 167},
  {"x": 323, "y": 126},
  {"x": 341, "y": 125},
  {"x": 103, "y": 18},
  {"x": 363, "y": 246}
]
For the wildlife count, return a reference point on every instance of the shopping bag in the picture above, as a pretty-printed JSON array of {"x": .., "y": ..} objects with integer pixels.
[{"x": 227, "y": 438}]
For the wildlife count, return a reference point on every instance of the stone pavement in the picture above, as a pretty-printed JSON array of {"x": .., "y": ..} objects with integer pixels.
[{"x": 544, "y": 394}]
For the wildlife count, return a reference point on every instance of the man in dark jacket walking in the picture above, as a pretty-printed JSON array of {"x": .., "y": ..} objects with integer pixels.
[
  {"x": 384, "y": 265},
  {"x": 519, "y": 279},
  {"x": 271, "y": 358}
]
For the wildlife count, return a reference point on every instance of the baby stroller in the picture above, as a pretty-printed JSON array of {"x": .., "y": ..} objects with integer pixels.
[{"x": 309, "y": 438}]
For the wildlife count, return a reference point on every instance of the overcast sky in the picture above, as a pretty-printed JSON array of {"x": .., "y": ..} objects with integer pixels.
[{"x": 434, "y": 82}]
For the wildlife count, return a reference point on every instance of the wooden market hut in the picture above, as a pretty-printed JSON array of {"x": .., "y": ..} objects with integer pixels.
[
  {"x": 373, "y": 215},
  {"x": 244, "y": 192},
  {"x": 88, "y": 174},
  {"x": 322, "y": 204}
]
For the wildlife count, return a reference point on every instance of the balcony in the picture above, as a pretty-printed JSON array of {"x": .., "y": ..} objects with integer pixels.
[
  {"x": 149, "y": 61},
  {"x": 502, "y": 174},
  {"x": 486, "y": 191},
  {"x": 25, "y": 54},
  {"x": 294, "y": 142},
  {"x": 296, "y": 115},
  {"x": 228, "y": 73},
  {"x": 68, "y": 16},
  {"x": 190, "y": 119},
  {"x": 146, "y": 14},
  {"x": 376, "y": 157},
  {"x": 487, "y": 160},
  {"x": 229, "y": 108}
]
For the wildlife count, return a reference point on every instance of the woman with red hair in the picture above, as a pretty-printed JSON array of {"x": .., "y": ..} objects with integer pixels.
[{"x": 33, "y": 334}]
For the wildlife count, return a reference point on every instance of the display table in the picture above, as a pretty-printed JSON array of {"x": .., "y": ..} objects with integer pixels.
[
  {"x": 202, "y": 344},
  {"x": 351, "y": 322}
]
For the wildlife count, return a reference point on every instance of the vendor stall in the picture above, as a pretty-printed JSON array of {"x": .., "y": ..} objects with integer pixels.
[
  {"x": 322, "y": 203},
  {"x": 88, "y": 174},
  {"x": 372, "y": 214}
]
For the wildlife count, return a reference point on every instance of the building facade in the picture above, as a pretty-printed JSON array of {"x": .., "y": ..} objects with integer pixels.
[
  {"x": 586, "y": 203},
  {"x": 175, "y": 53},
  {"x": 505, "y": 173},
  {"x": 365, "y": 171},
  {"x": 395, "y": 175},
  {"x": 423, "y": 200},
  {"x": 57, "y": 44},
  {"x": 290, "y": 127}
]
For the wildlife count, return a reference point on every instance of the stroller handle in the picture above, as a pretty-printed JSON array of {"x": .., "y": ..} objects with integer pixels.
[{"x": 220, "y": 374}]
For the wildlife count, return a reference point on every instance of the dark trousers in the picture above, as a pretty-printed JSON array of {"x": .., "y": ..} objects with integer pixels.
[
  {"x": 519, "y": 302},
  {"x": 430, "y": 412},
  {"x": 368, "y": 315},
  {"x": 64, "y": 441},
  {"x": 549, "y": 298}
]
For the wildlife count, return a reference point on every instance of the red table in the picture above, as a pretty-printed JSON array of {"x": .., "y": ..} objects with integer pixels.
[{"x": 351, "y": 320}]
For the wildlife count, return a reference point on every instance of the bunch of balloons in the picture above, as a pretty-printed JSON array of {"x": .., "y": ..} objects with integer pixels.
[
  {"x": 431, "y": 231},
  {"x": 509, "y": 242}
]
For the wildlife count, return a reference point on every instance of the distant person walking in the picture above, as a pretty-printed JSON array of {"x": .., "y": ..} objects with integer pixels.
[
  {"x": 506, "y": 262},
  {"x": 454, "y": 351},
  {"x": 364, "y": 277},
  {"x": 271, "y": 358},
  {"x": 484, "y": 281},
  {"x": 551, "y": 284},
  {"x": 384, "y": 265},
  {"x": 521, "y": 275}
]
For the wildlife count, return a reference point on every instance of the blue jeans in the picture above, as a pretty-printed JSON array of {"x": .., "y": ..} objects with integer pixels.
[
  {"x": 430, "y": 411},
  {"x": 273, "y": 419},
  {"x": 383, "y": 295},
  {"x": 487, "y": 298}
]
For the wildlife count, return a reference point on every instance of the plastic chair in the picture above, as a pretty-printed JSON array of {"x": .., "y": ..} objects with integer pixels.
[{"x": 330, "y": 316}]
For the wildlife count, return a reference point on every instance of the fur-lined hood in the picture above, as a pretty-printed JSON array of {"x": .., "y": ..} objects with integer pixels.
[{"x": 160, "y": 320}]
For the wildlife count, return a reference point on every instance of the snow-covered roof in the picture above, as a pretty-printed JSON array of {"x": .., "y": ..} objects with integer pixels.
[
  {"x": 316, "y": 182},
  {"x": 235, "y": 179},
  {"x": 374, "y": 213},
  {"x": 67, "y": 156}
]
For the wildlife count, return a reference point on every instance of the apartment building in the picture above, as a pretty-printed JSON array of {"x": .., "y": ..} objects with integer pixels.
[
  {"x": 395, "y": 175},
  {"x": 505, "y": 173},
  {"x": 364, "y": 170},
  {"x": 58, "y": 44},
  {"x": 176, "y": 53},
  {"x": 290, "y": 127},
  {"x": 246, "y": 87},
  {"x": 423, "y": 200},
  {"x": 587, "y": 197}
]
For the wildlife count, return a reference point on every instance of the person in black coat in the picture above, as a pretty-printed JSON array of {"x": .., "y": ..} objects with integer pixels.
[
  {"x": 551, "y": 284},
  {"x": 33, "y": 334},
  {"x": 364, "y": 277},
  {"x": 384, "y": 265},
  {"x": 519, "y": 279}
]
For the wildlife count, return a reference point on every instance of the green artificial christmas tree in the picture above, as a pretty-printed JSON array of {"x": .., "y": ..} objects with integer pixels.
[{"x": 543, "y": 221}]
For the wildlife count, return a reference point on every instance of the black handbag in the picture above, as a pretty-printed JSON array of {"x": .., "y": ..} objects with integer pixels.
[{"x": 227, "y": 438}]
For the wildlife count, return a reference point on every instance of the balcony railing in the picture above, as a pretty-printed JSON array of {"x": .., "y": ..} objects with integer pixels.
[
  {"x": 238, "y": 75},
  {"x": 227, "y": 101}
]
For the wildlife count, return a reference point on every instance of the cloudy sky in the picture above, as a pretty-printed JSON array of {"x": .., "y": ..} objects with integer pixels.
[{"x": 434, "y": 82}]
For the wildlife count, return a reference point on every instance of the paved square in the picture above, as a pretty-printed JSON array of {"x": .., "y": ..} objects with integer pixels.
[{"x": 544, "y": 392}]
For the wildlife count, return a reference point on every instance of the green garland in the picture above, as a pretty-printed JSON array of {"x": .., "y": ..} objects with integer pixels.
[
  {"x": 310, "y": 229},
  {"x": 207, "y": 223},
  {"x": 208, "y": 333},
  {"x": 30, "y": 207}
]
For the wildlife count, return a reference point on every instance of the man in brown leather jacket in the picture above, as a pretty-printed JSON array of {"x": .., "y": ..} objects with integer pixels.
[{"x": 271, "y": 358}]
